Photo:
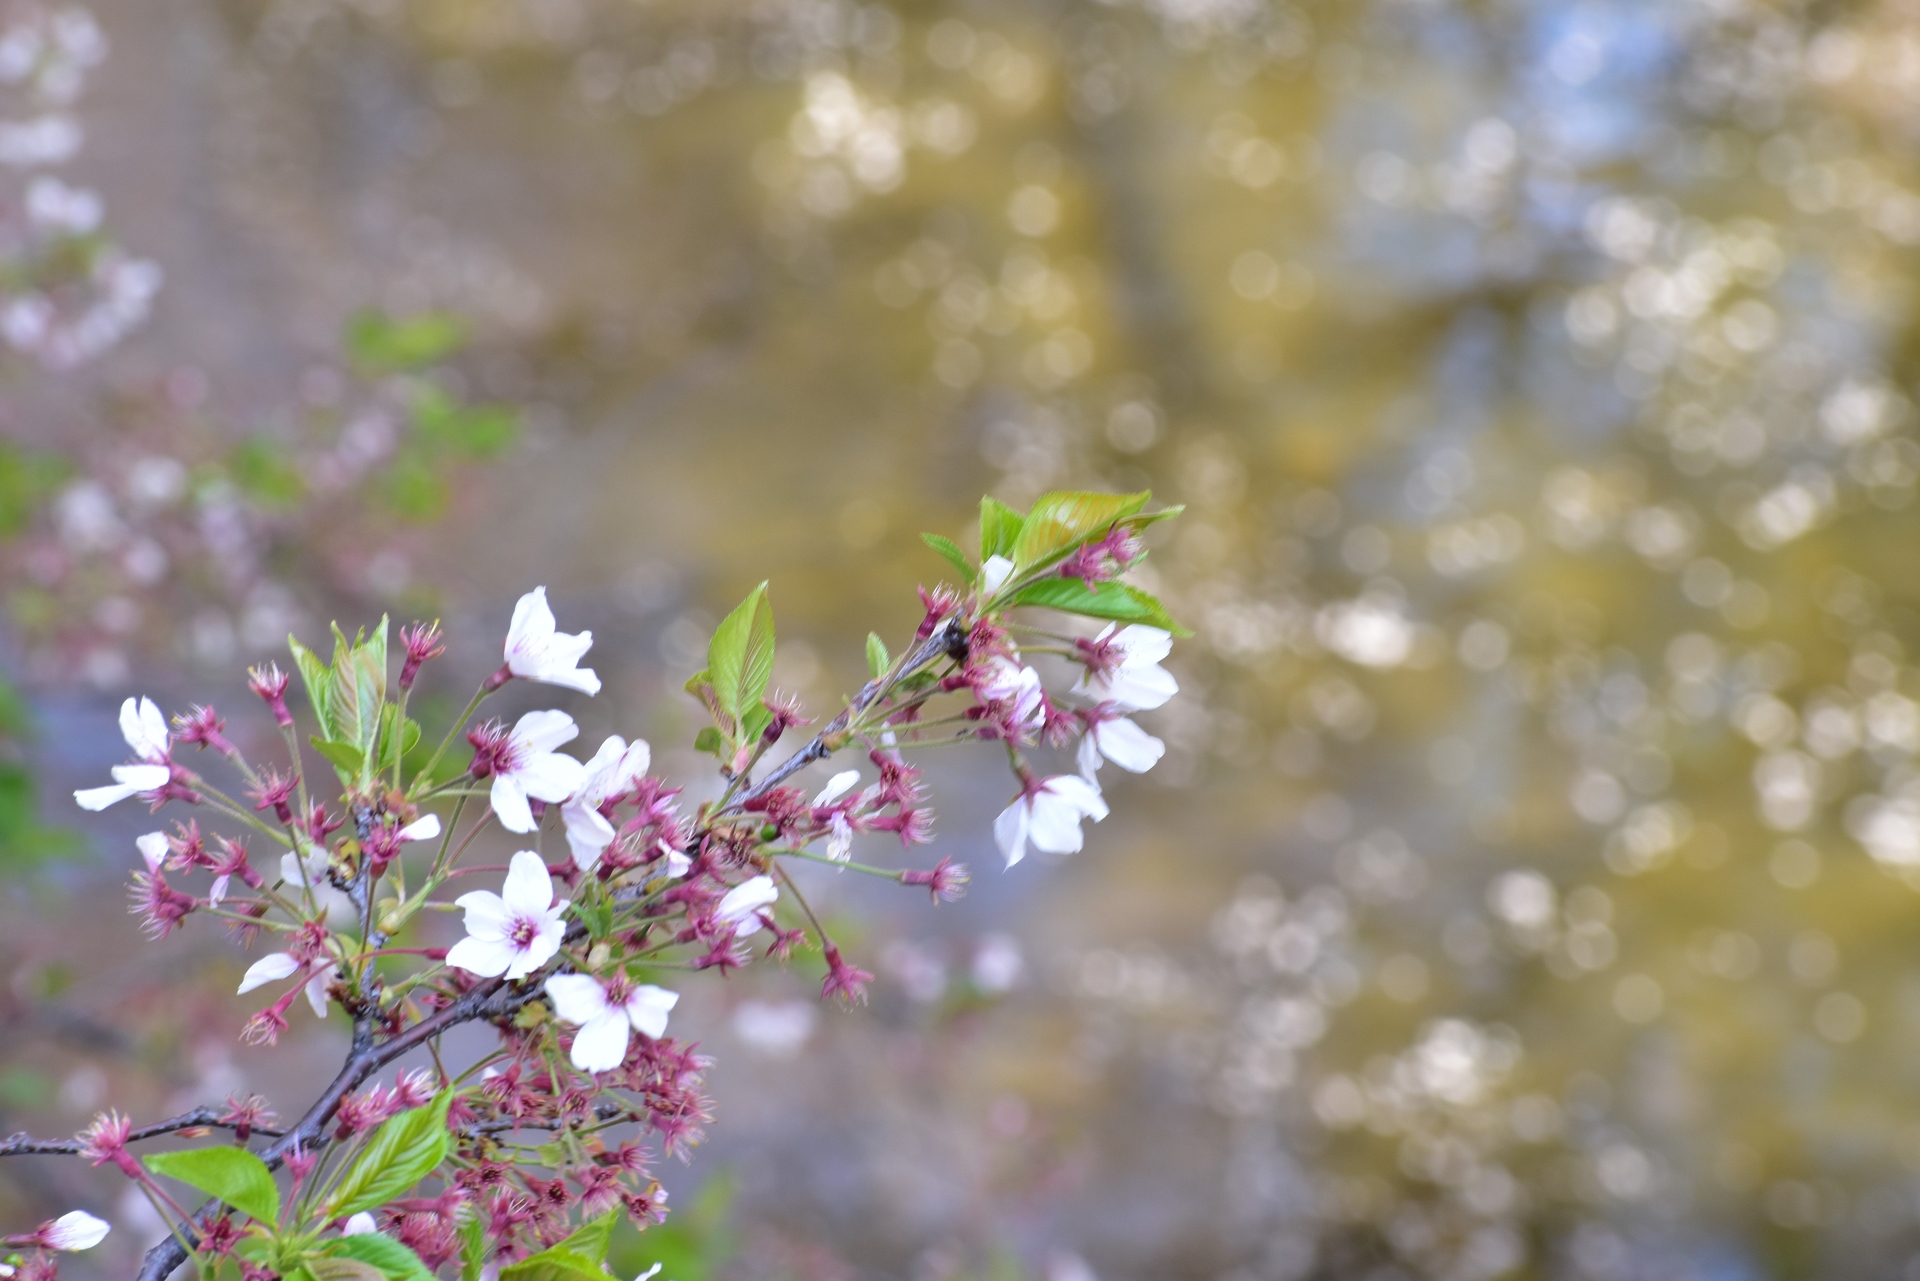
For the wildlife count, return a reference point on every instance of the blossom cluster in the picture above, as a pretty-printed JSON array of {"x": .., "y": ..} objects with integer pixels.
[{"x": 575, "y": 960}]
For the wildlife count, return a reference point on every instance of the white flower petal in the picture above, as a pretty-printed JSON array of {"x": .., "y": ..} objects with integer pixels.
[
  {"x": 1078, "y": 792},
  {"x": 1054, "y": 825},
  {"x": 76, "y": 1230},
  {"x": 577, "y": 998},
  {"x": 647, "y": 1008},
  {"x": 489, "y": 958},
  {"x": 530, "y": 629},
  {"x": 509, "y": 801},
  {"x": 358, "y": 1225},
  {"x": 528, "y": 890},
  {"x": 1087, "y": 757},
  {"x": 548, "y": 931},
  {"x": 995, "y": 572},
  {"x": 601, "y": 1044},
  {"x": 487, "y": 914},
  {"x": 98, "y": 798},
  {"x": 316, "y": 989},
  {"x": 270, "y": 968},
  {"x": 741, "y": 905},
  {"x": 543, "y": 731},
  {"x": 153, "y": 848},
  {"x": 588, "y": 834},
  {"x": 1010, "y": 831},
  {"x": 837, "y": 786},
  {"x": 424, "y": 828},
  {"x": 549, "y": 776},
  {"x": 1127, "y": 745}
]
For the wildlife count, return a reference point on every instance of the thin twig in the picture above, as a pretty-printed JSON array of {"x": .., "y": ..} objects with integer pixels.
[{"x": 200, "y": 1118}]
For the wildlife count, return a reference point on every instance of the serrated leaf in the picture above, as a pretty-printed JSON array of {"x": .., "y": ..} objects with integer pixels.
[
  {"x": 999, "y": 528},
  {"x": 403, "y": 1151},
  {"x": 317, "y": 680},
  {"x": 1060, "y": 522},
  {"x": 1115, "y": 602},
  {"x": 233, "y": 1175},
  {"x": 357, "y": 689},
  {"x": 393, "y": 748},
  {"x": 954, "y": 556},
  {"x": 740, "y": 656},
  {"x": 591, "y": 1238},
  {"x": 394, "y": 1261},
  {"x": 878, "y": 660},
  {"x": 710, "y": 739},
  {"x": 756, "y": 724}
]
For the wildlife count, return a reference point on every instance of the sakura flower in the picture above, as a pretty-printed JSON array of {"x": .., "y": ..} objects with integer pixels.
[
  {"x": 537, "y": 652},
  {"x": 523, "y": 764},
  {"x": 358, "y": 1225},
  {"x": 424, "y": 828},
  {"x": 145, "y": 729},
  {"x": 1007, "y": 682},
  {"x": 605, "y": 1012},
  {"x": 994, "y": 573},
  {"x": 610, "y": 772},
  {"x": 74, "y": 1230},
  {"x": 839, "y": 838},
  {"x": 741, "y": 905},
  {"x": 1048, "y": 814},
  {"x": 513, "y": 932},
  {"x": 1119, "y": 740},
  {"x": 1124, "y": 667}
]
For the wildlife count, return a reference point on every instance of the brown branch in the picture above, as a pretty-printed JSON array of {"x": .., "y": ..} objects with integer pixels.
[{"x": 24, "y": 1144}]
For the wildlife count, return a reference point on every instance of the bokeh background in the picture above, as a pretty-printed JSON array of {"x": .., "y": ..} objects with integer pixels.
[{"x": 1530, "y": 889}]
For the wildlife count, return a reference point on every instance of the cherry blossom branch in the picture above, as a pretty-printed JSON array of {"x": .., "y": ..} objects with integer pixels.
[
  {"x": 200, "y": 1118},
  {"x": 492, "y": 999}
]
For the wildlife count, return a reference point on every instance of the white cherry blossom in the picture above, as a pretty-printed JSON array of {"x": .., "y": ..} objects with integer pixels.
[
  {"x": 1008, "y": 681},
  {"x": 994, "y": 573},
  {"x": 537, "y": 652},
  {"x": 1121, "y": 741},
  {"x": 275, "y": 966},
  {"x": 529, "y": 767},
  {"x": 837, "y": 786},
  {"x": 604, "y": 1016},
  {"x": 424, "y": 828},
  {"x": 153, "y": 848},
  {"x": 611, "y": 771},
  {"x": 144, "y": 727},
  {"x": 1049, "y": 817},
  {"x": 358, "y": 1225},
  {"x": 513, "y": 932},
  {"x": 1137, "y": 682},
  {"x": 741, "y": 905}
]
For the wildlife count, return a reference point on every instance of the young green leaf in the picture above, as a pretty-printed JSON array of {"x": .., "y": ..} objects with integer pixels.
[
  {"x": 233, "y": 1175},
  {"x": 329, "y": 1268},
  {"x": 878, "y": 660},
  {"x": 394, "y": 1261},
  {"x": 1116, "y": 602},
  {"x": 380, "y": 344},
  {"x": 711, "y": 740},
  {"x": 473, "y": 1247},
  {"x": 394, "y": 747},
  {"x": 954, "y": 556},
  {"x": 346, "y": 758},
  {"x": 740, "y": 656},
  {"x": 358, "y": 688},
  {"x": 1061, "y": 522},
  {"x": 318, "y": 681},
  {"x": 591, "y": 1238},
  {"x": 999, "y": 528},
  {"x": 554, "y": 1265},
  {"x": 403, "y": 1151}
]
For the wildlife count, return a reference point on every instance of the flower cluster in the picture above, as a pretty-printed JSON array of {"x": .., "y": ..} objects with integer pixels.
[{"x": 568, "y": 961}]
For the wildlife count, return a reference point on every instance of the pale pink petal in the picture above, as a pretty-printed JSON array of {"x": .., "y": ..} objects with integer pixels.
[
  {"x": 76, "y": 1230},
  {"x": 487, "y": 914},
  {"x": 543, "y": 731},
  {"x": 316, "y": 989},
  {"x": 1127, "y": 745},
  {"x": 1088, "y": 755},
  {"x": 648, "y": 1006},
  {"x": 1010, "y": 831},
  {"x": 270, "y": 968},
  {"x": 529, "y": 889},
  {"x": 1082, "y": 795},
  {"x": 549, "y": 776},
  {"x": 153, "y": 848},
  {"x": 489, "y": 958},
  {"x": 529, "y": 631},
  {"x": 577, "y": 998},
  {"x": 588, "y": 834},
  {"x": 1055, "y": 824}
]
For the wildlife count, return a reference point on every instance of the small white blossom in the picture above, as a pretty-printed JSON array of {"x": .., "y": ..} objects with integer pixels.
[
  {"x": 531, "y": 768},
  {"x": 1009, "y": 682},
  {"x": 604, "y": 1017},
  {"x": 424, "y": 828},
  {"x": 358, "y": 1225},
  {"x": 1137, "y": 682},
  {"x": 612, "y": 770},
  {"x": 1049, "y": 817},
  {"x": 513, "y": 932},
  {"x": 1120, "y": 741},
  {"x": 995, "y": 572},
  {"x": 270, "y": 968},
  {"x": 839, "y": 838},
  {"x": 742, "y": 904},
  {"x": 145, "y": 728},
  {"x": 75, "y": 1230},
  {"x": 537, "y": 652}
]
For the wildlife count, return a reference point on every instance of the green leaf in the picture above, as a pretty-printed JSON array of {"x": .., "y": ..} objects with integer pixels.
[
  {"x": 346, "y": 758},
  {"x": 357, "y": 689},
  {"x": 413, "y": 489},
  {"x": 1060, "y": 522},
  {"x": 394, "y": 1261},
  {"x": 473, "y": 431},
  {"x": 394, "y": 747},
  {"x": 758, "y": 718},
  {"x": 740, "y": 657},
  {"x": 318, "y": 681},
  {"x": 554, "y": 1265},
  {"x": 591, "y": 1238},
  {"x": 473, "y": 1247},
  {"x": 328, "y": 1268},
  {"x": 380, "y": 344},
  {"x": 878, "y": 660},
  {"x": 710, "y": 739},
  {"x": 261, "y": 469},
  {"x": 1116, "y": 602},
  {"x": 403, "y": 1151},
  {"x": 951, "y": 550},
  {"x": 999, "y": 528},
  {"x": 233, "y": 1175}
]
